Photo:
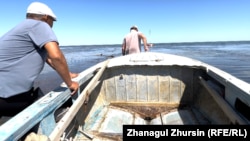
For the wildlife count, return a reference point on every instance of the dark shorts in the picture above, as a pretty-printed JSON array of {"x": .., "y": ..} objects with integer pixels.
[{"x": 13, "y": 105}]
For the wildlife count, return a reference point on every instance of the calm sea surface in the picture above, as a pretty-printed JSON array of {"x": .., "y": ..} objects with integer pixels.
[{"x": 232, "y": 57}]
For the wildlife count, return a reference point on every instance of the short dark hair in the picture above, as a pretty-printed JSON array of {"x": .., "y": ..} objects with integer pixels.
[
  {"x": 133, "y": 27},
  {"x": 34, "y": 16}
]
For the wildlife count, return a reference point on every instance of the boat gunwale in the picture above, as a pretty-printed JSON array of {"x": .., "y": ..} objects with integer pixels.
[{"x": 14, "y": 129}]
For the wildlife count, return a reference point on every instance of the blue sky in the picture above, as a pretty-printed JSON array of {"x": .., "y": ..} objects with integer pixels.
[{"x": 92, "y": 22}]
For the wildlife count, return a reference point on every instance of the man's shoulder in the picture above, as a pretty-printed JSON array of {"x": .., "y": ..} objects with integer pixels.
[
  {"x": 29, "y": 23},
  {"x": 131, "y": 33}
]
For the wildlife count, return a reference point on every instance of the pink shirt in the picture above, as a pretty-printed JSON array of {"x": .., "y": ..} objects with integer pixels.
[{"x": 133, "y": 42}]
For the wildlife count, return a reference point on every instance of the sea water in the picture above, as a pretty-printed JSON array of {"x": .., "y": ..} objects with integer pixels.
[{"x": 231, "y": 57}]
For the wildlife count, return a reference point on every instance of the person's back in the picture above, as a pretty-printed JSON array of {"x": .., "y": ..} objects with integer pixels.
[
  {"x": 16, "y": 52},
  {"x": 132, "y": 42},
  {"x": 23, "y": 53}
]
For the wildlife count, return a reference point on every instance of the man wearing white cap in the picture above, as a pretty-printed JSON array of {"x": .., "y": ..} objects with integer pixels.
[
  {"x": 23, "y": 53},
  {"x": 132, "y": 42}
]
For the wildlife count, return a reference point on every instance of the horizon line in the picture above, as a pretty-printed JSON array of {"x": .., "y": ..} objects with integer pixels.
[{"x": 191, "y": 42}]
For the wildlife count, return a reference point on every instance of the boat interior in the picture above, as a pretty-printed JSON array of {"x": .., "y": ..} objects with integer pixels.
[
  {"x": 156, "y": 95},
  {"x": 134, "y": 95}
]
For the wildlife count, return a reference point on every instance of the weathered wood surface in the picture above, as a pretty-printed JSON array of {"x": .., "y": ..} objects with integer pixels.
[{"x": 146, "y": 88}]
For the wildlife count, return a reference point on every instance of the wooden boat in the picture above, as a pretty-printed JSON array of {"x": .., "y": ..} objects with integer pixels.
[{"x": 139, "y": 89}]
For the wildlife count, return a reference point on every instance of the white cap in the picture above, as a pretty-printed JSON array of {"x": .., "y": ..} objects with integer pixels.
[{"x": 40, "y": 8}]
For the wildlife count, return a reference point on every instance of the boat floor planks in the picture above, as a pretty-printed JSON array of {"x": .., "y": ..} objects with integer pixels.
[{"x": 108, "y": 122}]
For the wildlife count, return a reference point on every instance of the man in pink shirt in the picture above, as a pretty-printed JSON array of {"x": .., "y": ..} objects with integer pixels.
[{"x": 132, "y": 42}]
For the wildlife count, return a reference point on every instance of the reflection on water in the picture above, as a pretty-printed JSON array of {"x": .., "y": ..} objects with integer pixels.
[{"x": 230, "y": 57}]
